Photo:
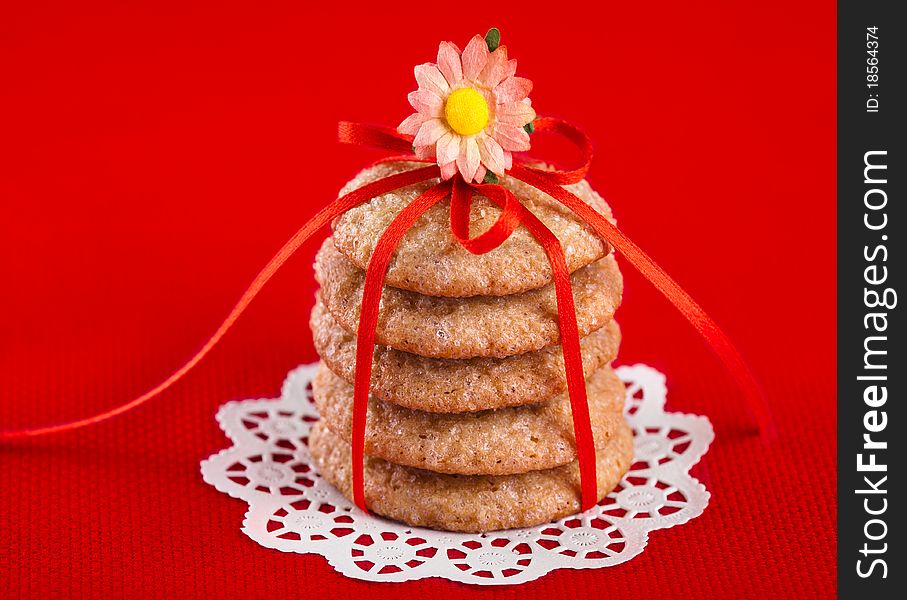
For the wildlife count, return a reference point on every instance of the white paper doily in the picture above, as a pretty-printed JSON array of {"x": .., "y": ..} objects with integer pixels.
[{"x": 292, "y": 509}]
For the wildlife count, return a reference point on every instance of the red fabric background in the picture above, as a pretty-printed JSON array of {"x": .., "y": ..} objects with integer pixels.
[{"x": 152, "y": 159}]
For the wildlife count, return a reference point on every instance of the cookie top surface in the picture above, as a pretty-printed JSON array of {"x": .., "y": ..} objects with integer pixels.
[
  {"x": 491, "y": 442},
  {"x": 453, "y": 386},
  {"x": 430, "y": 261},
  {"x": 495, "y": 326},
  {"x": 469, "y": 503}
]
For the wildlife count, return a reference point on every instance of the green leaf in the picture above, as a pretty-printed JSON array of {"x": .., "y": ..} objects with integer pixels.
[
  {"x": 529, "y": 127},
  {"x": 493, "y": 39},
  {"x": 490, "y": 178}
]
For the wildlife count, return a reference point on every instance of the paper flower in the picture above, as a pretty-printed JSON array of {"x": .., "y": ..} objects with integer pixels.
[{"x": 471, "y": 110}]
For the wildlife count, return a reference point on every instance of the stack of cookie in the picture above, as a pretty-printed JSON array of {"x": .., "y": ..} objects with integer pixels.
[{"x": 469, "y": 424}]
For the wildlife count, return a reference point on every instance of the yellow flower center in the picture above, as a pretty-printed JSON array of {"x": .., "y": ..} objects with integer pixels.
[{"x": 466, "y": 111}]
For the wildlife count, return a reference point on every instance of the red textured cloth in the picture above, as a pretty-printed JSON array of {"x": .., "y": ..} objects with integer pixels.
[{"x": 154, "y": 158}]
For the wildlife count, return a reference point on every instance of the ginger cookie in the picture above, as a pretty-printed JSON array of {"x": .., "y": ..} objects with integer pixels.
[
  {"x": 469, "y": 503},
  {"x": 495, "y": 326},
  {"x": 445, "y": 385},
  {"x": 491, "y": 442},
  {"x": 519, "y": 264}
]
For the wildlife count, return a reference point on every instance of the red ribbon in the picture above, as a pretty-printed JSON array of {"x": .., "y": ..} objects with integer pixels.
[
  {"x": 368, "y": 321},
  {"x": 322, "y": 218},
  {"x": 513, "y": 211},
  {"x": 512, "y": 215}
]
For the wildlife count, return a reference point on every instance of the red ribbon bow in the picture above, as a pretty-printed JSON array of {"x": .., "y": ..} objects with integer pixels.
[{"x": 512, "y": 215}]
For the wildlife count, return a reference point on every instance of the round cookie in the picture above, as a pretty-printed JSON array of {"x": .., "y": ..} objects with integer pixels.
[
  {"x": 519, "y": 264},
  {"x": 491, "y": 442},
  {"x": 496, "y": 326},
  {"x": 469, "y": 503},
  {"x": 453, "y": 386}
]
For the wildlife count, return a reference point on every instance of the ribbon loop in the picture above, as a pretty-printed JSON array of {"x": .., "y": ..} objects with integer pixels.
[
  {"x": 494, "y": 236},
  {"x": 578, "y": 138},
  {"x": 377, "y": 136}
]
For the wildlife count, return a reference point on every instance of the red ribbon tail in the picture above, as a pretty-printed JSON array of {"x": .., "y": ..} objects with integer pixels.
[
  {"x": 368, "y": 321},
  {"x": 322, "y": 218},
  {"x": 698, "y": 318},
  {"x": 573, "y": 367},
  {"x": 512, "y": 214}
]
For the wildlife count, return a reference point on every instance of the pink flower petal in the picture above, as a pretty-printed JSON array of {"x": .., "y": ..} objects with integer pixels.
[
  {"x": 474, "y": 57},
  {"x": 468, "y": 159},
  {"x": 492, "y": 155},
  {"x": 430, "y": 132},
  {"x": 515, "y": 113},
  {"x": 411, "y": 124},
  {"x": 480, "y": 173},
  {"x": 511, "y": 68},
  {"x": 424, "y": 151},
  {"x": 448, "y": 170},
  {"x": 448, "y": 148},
  {"x": 429, "y": 78},
  {"x": 488, "y": 95},
  {"x": 426, "y": 102},
  {"x": 449, "y": 63},
  {"x": 513, "y": 89},
  {"x": 495, "y": 69},
  {"x": 511, "y": 137},
  {"x": 508, "y": 160}
]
